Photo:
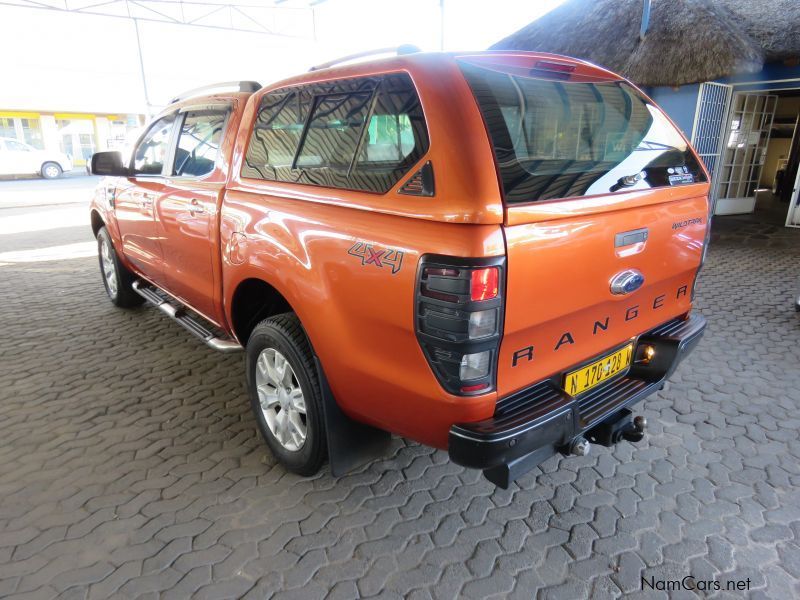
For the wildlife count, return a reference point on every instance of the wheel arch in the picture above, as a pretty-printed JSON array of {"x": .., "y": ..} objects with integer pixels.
[
  {"x": 97, "y": 221},
  {"x": 252, "y": 301}
]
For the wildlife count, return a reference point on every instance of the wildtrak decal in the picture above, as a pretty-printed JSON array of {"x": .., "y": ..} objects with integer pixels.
[
  {"x": 526, "y": 354},
  {"x": 380, "y": 257},
  {"x": 687, "y": 222}
]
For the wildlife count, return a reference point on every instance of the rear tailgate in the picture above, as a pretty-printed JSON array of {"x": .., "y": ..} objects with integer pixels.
[
  {"x": 597, "y": 184},
  {"x": 559, "y": 307}
]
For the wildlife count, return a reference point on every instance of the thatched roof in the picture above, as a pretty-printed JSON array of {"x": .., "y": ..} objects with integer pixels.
[
  {"x": 773, "y": 24},
  {"x": 687, "y": 41}
]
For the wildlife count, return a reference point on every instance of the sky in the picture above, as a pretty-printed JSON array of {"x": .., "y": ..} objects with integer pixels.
[
  {"x": 59, "y": 61},
  {"x": 468, "y": 24}
]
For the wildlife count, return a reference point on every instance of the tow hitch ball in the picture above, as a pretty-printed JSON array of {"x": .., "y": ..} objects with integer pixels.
[
  {"x": 635, "y": 432},
  {"x": 618, "y": 427}
]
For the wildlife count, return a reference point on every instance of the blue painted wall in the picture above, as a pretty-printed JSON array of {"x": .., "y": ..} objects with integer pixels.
[
  {"x": 771, "y": 72},
  {"x": 679, "y": 103}
]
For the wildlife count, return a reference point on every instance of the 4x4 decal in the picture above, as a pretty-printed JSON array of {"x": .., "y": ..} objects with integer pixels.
[{"x": 370, "y": 255}]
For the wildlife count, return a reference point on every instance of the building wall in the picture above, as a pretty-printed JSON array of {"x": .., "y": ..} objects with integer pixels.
[
  {"x": 679, "y": 103},
  {"x": 774, "y": 76},
  {"x": 76, "y": 134}
]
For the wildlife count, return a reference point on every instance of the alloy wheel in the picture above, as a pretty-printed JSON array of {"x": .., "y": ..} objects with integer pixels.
[
  {"x": 109, "y": 268},
  {"x": 281, "y": 399}
]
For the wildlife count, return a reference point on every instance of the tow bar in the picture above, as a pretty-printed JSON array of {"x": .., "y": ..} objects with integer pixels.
[{"x": 618, "y": 427}]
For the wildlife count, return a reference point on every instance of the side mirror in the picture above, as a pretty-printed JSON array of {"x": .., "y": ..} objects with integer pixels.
[{"x": 108, "y": 163}]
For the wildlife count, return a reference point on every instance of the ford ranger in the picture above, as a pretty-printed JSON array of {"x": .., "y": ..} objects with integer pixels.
[{"x": 491, "y": 253}]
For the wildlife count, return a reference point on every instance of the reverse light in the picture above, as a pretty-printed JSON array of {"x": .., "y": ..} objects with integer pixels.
[
  {"x": 475, "y": 366},
  {"x": 482, "y": 323},
  {"x": 485, "y": 284}
]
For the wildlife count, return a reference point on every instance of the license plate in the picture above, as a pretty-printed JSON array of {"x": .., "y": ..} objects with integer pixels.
[{"x": 597, "y": 372}]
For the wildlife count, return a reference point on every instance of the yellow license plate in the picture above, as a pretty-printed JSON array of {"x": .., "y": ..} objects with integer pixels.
[{"x": 597, "y": 372}]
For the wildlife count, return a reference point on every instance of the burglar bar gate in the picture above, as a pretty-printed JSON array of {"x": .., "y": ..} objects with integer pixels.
[{"x": 709, "y": 121}]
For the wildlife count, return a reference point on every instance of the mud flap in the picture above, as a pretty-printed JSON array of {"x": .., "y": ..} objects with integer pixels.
[{"x": 350, "y": 444}]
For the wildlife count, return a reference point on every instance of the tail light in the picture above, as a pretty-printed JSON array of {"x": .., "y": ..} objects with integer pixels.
[
  {"x": 459, "y": 320},
  {"x": 484, "y": 283}
]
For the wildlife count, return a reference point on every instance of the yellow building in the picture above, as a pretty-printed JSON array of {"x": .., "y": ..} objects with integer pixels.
[{"x": 78, "y": 135}]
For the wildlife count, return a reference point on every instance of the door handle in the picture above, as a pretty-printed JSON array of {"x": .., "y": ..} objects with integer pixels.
[
  {"x": 196, "y": 208},
  {"x": 145, "y": 199}
]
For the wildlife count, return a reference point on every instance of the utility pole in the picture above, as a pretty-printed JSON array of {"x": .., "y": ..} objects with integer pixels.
[
  {"x": 645, "y": 19},
  {"x": 141, "y": 68}
]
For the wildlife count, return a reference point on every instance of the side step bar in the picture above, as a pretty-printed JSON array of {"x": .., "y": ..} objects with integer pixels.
[{"x": 180, "y": 314}]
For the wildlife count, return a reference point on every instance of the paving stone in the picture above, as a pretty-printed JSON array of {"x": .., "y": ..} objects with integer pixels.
[{"x": 135, "y": 468}]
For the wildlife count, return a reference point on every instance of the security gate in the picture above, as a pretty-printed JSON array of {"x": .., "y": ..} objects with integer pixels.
[
  {"x": 709, "y": 121},
  {"x": 793, "y": 216},
  {"x": 745, "y": 148}
]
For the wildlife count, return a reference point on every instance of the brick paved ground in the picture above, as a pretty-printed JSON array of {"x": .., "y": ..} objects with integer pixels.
[{"x": 130, "y": 466}]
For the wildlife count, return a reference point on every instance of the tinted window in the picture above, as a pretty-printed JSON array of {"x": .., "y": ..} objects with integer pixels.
[
  {"x": 276, "y": 135},
  {"x": 389, "y": 138},
  {"x": 559, "y": 139},
  {"x": 198, "y": 144},
  {"x": 334, "y": 131},
  {"x": 152, "y": 150},
  {"x": 360, "y": 134}
]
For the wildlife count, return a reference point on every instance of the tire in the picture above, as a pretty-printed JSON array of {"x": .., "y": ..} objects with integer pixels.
[
  {"x": 283, "y": 336},
  {"x": 117, "y": 279},
  {"x": 51, "y": 170}
]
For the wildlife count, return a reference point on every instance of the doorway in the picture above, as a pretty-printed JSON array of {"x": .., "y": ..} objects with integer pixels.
[
  {"x": 744, "y": 152},
  {"x": 759, "y": 153}
]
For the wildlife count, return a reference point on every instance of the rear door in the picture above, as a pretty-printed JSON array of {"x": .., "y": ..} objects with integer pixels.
[
  {"x": 600, "y": 189},
  {"x": 187, "y": 209}
]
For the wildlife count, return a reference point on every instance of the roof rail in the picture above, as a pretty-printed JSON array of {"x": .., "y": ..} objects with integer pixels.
[
  {"x": 399, "y": 50},
  {"x": 242, "y": 86}
]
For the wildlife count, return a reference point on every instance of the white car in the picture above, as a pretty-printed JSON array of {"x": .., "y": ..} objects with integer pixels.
[{"x": 18, "y": 158}]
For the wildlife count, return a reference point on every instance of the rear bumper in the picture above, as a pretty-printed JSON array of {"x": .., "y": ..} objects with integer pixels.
[{"x": 536, "y": 422}]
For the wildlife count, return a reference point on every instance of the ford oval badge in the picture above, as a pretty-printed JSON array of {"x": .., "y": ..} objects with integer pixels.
[{"x": 626, "y": 282}]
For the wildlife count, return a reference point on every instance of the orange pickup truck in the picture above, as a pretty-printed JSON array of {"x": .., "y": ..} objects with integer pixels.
[{"x": 492, "y": 253}]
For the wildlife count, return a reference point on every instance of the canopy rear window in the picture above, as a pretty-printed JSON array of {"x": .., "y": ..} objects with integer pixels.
[{"x": 555, "y": 138}]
